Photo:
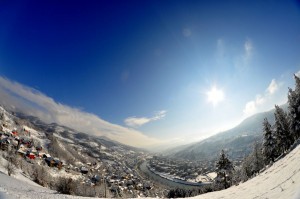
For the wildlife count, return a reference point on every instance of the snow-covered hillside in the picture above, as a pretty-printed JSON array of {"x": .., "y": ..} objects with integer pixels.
[
  {"x": 12, "y": 188},
  {"x": 50, "y": 154},
  {"x": 282, "y": 180}
]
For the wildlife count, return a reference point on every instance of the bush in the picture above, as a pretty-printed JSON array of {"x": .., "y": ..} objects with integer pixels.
[
  {"x": 10, "y": 168},
  {"x": 65, "y": 185},
  {"x": 40, "y": 175}
]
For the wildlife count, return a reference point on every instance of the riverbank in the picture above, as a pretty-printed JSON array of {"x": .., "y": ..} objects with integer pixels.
[
  {"x": 174, "y": 179},
  {"x": 174, "y": 183}
]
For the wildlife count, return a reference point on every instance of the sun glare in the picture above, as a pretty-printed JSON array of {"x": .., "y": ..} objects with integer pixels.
[{"x": 215, "y": 96}]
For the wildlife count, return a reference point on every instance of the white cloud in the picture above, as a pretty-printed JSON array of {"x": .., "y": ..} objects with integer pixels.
[
  {"x": 259, "y": 100},
  {"x": 273, "y": 87},
  {"x": 18, "y": 97},
  {"x": 250, "y": 108},
  {"x": 136, "y": 122},
  {"x": 298, "y": 73},
  {"x": 265, "y": 101}
]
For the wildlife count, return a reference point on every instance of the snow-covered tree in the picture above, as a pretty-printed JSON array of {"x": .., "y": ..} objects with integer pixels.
[
  {"x": 246, "y": 171},
  {"x": 224, "y": 170},
  {"x": 269, "y": 142},
  {"x": 11, "y": 169},
  {"x": 294, "y": 109},
  {"x": 282, "y": 133},
  {"x": 297, "y": 84},
  {"x": 253, "y": 163},
  {"x": 11, "y": 164},
  {"x": 257, "y": 162}
]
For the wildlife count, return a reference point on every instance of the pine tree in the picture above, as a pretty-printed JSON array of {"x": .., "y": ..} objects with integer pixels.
[
  {"x": 297, "y": 86},
  {"x": 294, "y": 109},
  {"x": 257, "y": 162},
  {"x": 224, "y": 170},
  {"x": 282, "y": 133},
  {"x": 269, "y": 143}
]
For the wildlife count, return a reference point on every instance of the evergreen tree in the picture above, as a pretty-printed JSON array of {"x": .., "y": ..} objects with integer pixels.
[
  {"x": 297, "y": 86},
  {"x": 269, "y": 143},
  {"x": 294, "y": 109},
  {"x": 257, "y": 162},
  {"x": 224, "y": 170},
  {"x": 253, "y": 163},
  {"x": 282, "y": 133}
]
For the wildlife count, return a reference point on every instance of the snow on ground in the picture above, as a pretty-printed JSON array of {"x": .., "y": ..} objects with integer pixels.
[
  {"x": 18, "y": 186},
  {"x": 62, "y": 138},
  {"x": 11, "y": 188},
  {"x": 201, "y": 178},
  {"x": 31, "y": 130},
  {"x": 6, "y": 116},
  {"x": 37, "y": 136},
  {"x": 6, "y": 130},
  {"x": 56, "y": 173},
  {"x": 282, "y": 180},
  {"x": 212, "y": 175},
  {"x": 18, "y": 175},
  {"x": 93, "y": 144}
]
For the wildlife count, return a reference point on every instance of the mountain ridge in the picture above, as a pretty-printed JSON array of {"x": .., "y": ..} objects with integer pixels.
[{"x": 237, "y": 141}]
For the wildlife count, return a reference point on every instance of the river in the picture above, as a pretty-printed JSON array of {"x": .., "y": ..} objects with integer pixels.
[{"x": 166, "y": 182}]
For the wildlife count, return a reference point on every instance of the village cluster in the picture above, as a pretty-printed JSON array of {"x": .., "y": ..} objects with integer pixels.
[
  {"x": 113, "y": 168},
  {"x": 25, "y": 146}
]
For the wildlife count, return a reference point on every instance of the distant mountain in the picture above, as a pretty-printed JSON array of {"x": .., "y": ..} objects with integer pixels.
[
  {"x": 238, "y": 141},
  {"x": 72, "y": 134}
]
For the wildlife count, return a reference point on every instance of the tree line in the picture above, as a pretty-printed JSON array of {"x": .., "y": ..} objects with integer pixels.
[{"x": 278, "y": 140}]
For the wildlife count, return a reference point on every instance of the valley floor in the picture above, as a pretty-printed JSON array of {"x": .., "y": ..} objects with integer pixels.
[{"x": 282, "y": 180}]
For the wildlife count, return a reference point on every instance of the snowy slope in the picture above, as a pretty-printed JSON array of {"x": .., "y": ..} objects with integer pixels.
[
  {"x": 11, "y": 188},
  {"x": 282, "y": 180},
  {"x": 18, "y": 186}
]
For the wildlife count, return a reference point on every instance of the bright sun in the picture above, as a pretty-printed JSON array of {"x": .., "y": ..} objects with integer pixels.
[{"x": 215, "y": 96}]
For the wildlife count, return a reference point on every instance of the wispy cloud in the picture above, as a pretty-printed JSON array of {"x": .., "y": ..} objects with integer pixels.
[
  {"x": 220, "y": 48},
  {"x": 136, "y": 122},
  {"x": 243, "y": 60},
  {"x": 263, "y": 102},
  {"x": 273, "y": 87},
  {"x": 248, "y": 47},
  {"x": 18, "y": 97}
]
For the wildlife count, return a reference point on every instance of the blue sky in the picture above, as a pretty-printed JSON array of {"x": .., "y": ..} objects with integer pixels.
[{"x": 149, "y": 66}]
